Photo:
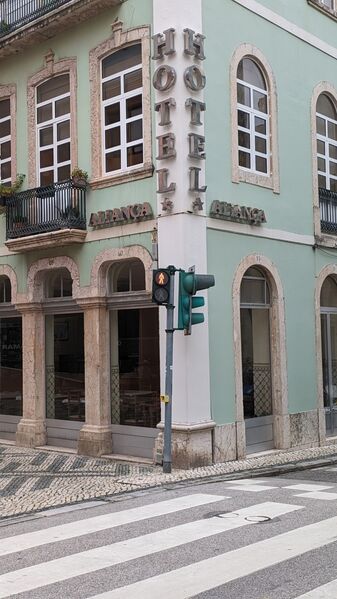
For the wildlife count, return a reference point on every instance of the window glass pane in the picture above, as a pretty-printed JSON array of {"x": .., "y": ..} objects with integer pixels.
[
  {"x": 244, "y": 139},
  {"x": 63, "y": 130},
  {"x": 6, "y": 170},
  {"x": 45, "y": 113},
  {"x": 321, "y": 147},
  {"x": 249, "y": 71},
  {"x": 326, "y": 107},
  {"x": 321, "y": 164},
  {"x": 261, "y": 164},
  {"x": 329, "y": 293},
  {"x": 134, "y": 106},
  {"x": 121, "y": 60},
  {"x": 243, "y": 119},
  {"x": 46, "y": 136},
  {"x": 113, "y": 161},
  {"x": 332, "y": 151},
  {"x": 333, "y": 168},
  {"x": 46, "y": 158},
  {"x": 320, "y": 124},
  {"x": 5, "y": 150},
  {"x": 5, "y": 108},
  {"x": 5, "y": 290},
  {"x": 243, "y": 94},
  {"x": 63, "y": 173},
  {"x": 62, "y": 107},
  {"x": 133, "y": 80},
  {"x": 260, "y": 125},
  {"x": 123, "y": 280},
  {"x": 253, "y": 291},
  {"x": 11, "y": 366},
  {"x": 113, "y": 137},
  {"x": 321, "y": 182},
  {"x": 46, "y": 178},
  {"x": 137, "y": 277},
  {"x": 5, "y": 128},
  {"x": 261, "y": 145},
  {"x": 112, "y": 114},
  {"x": 134, "y": 130},
  {"x": 111, "y": 88},
  {"x": 244, "y": 159},
  {"x": 332, "y": 131},
  {"x": 57, "y": 86},
  {"x": 333, "y": 185},
  {"x": 135, "y": 155},
  {"x": 63, "y": 152},
  {"x": 259, "y": 101}
]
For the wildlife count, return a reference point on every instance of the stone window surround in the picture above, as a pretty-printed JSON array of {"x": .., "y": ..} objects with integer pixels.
[
  {"x": 332, "y": 13},
  {"x": 327, "y": 271},
  {"x": 52, "y": 68},
  {"x": 324, "y": 87},
  {"x": 119, "y": 40},
  {"x": 9, "y": 91},
  {"x": 281, "y": 423},
  {"x": 238, "y": 174}
]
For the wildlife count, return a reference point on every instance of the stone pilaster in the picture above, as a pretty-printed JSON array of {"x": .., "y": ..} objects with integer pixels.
[
  {"x": 95, "y": 437},
  {"x": 31, "y": 430}
]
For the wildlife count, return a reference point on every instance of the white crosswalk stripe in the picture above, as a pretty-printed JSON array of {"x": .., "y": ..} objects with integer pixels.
[
  {"x": 196, "y": 573},
  {"x": 65, "y": 568}
]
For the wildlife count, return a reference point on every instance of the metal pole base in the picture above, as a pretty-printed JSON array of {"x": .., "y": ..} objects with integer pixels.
[{"x": 167, "y": 467}]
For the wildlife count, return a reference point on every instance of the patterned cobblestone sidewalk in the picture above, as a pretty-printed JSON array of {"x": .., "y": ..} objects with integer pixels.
[{"x": 32, "y": 480}]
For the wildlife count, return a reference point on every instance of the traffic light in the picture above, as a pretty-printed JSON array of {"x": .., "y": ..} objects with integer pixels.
[
  {"x": 189, "y": 284},
  {"x": 161, "y": 286}
]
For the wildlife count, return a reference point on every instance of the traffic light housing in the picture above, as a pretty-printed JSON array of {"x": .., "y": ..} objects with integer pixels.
[
  {"x": 189, "y": 284},
  {"x": 161, "y": 286}
]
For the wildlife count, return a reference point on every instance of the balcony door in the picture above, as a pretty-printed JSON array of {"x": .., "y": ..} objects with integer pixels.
[{"x": 329, "y": 352}]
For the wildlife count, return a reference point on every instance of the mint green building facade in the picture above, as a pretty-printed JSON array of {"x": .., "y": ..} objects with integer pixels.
[{"x": 198, "y": 130}]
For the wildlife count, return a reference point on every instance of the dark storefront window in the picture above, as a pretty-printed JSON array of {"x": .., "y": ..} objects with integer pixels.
[
  {"x": 11, "y": 366},
  {"x": 135, "y": 381},
  {"x": 65, "y": 367}
]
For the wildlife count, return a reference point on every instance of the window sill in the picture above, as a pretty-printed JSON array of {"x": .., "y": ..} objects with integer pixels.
[
  {"x": 324, "y": 9},
  {"x": 133, "y": 175},
  {"x": 254, "y": 179}
]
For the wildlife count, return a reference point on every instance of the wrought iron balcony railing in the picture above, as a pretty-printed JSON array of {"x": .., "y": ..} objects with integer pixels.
[
  {"x": 58, "y": 206},
  {"x": 328, "y": 210},
  {"x": 16, "y": 13}
]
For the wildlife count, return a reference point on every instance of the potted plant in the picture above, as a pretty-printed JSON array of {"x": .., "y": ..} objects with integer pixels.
[
  {"x": 6, "y": 190},
  {"x": 79, "y": 177}
]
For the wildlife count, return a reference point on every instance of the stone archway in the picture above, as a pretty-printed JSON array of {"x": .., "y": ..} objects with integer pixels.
[{"x": 278, "y": 353}]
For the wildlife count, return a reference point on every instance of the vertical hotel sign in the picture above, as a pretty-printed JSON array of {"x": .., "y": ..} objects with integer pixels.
[{"x": 165, "y": 79}]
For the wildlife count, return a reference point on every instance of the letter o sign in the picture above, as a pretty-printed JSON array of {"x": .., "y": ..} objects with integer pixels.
[
  {"x": 164, "y": 78},
  {"x": 194, "y": 78}
]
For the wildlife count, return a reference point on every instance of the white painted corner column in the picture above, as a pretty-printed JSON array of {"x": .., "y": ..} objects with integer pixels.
[{"x": 179, "y": 67}]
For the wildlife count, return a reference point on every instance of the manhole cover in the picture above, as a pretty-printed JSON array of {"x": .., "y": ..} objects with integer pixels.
[{"x": 258, "y": 519}]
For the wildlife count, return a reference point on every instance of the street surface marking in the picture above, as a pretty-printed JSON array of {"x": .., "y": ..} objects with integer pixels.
[
  {"x": 199, "y": 577},
  {"x": 106, "y": 521},
  {"x": 42, "y": 574},
  {"x": 318, "y": 495},
  {"x": 309, "y": 487},
  {"x": 326, "y": 591},
  {"x": 251, "y": 488}
]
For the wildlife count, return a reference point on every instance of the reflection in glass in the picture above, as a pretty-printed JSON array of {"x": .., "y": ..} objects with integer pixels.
[{"x": 11, "y": 366}]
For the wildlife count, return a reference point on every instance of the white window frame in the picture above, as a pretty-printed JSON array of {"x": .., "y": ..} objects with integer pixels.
[
  {"x": 327, "y": 141},
  {"x": 54, "y": 122},
  {"x": 253, "y": 113},
  {"x": 123, "y": 122},
  {"x": 5, "y": 139}
]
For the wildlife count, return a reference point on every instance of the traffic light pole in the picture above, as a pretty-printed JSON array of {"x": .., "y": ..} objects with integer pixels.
[{"x": 167, "y": 454}]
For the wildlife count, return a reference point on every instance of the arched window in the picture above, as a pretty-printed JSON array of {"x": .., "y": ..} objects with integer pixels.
[
  {"x": 5, "y": 290},
  {"x": 53, "y": 130},
  {"x": 326, "y": 126},
  {"x": 127, "y": 276},
  {"x": 329, "y": 293},
  {"x": 59, "y": 284},
  {"x": 252, "y": 118},
  {"x": 122, "y": 110}
]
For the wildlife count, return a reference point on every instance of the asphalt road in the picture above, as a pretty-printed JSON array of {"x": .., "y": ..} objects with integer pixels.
[{"x": 270, "y": 538}]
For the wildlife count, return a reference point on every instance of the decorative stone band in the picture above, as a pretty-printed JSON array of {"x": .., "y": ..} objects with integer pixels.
[
  {"x": 125, "y": 214},
  {"x": 190, "y": 427},
  {"x": 236, "y": 213}
]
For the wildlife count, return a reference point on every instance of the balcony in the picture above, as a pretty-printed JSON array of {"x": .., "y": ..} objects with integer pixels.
[
  {"x": 328, "y": 211},
  {"x": 27, "y": 22},
  {"x": 46, "y": 217}
]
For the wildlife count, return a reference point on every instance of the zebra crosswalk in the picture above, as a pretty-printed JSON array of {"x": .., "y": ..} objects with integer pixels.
[{"x": 137, "y": 553}]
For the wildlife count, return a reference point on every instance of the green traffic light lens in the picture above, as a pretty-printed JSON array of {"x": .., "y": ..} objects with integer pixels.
[{"x": 161, "y": 295}]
